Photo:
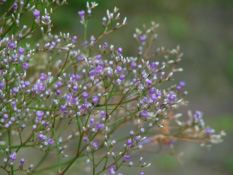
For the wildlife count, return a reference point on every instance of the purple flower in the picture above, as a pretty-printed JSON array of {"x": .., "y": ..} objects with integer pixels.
[
  {"x": 75, "y": 88},
  {"x": 41, "y": 137},
  {"x": 84, "y": 106},
  {"x": 119, "y": 69},
  {"x": 99, "y": 126},
  {"x": 53, "y": 44},
  {"x": 95, "y": 145},
  {"x": 5, "y": 116},
  {"x": 22, "y": 161},
  {"x": 142, "y": 38},
  {"x": 131, "y": 132},
  {"x": 92, "y": 121},
  {"x": 142, "y": 173},
  {"x": 15, "y": 90},
  {"x": 80, "y": 58},
  {"x": 98, "y": 57},
  {"x": 81, "y": 13},
  {"x": 39, "y": 87},
  {"x": 104, "y": 20},
  {"x": 99, "y": 69},
  {"x": 13, "y": 103},
  {"x": 86, "y": 43},
  {"x": 21, "y": 50},
  {"x": 46, "y": 19},
  {"x": 36, "y": 13},
  {"x": 15, "y": 6},
  {"x": 103, "y": 114},
  {"x": 85, "y": 95},
  {"x": 27, "y": 83},
  {"x": 198, "y": 114},
  {"x": 63, "y": 108},
  {"x": 25, "y": 66},
  {"x": 95, "y": 99},
  {"x": 122, "y": 77},
  {"x": 149, "y": 83},
  {"x": 112, "y": 170},
  {"x": 178, "y": 88},
  {"x": 129, "y": 142},
  {"x": 153, "y": 65},
  {"x": 47, "y": 124},
  {"x": 59, "y": 84},
  {"x": 105, "y": 44},
  {"x": 11, "y": 45},
  {"x": 119, "y": 50},
  {"x": 137, "y": 138},
  {"x": 2, "y": 85},
  {"x": 146, "y": 141},
  {"x": 92, "y": 72},
  {"x": 7, "y": 125},
  {"x": 152, "y": 90},
  {"x": 58, "y": 92},
  {"x": 182, "y": 83},
  {"x": 40, "y": 114},
  {"x": 43, "y": 76},
  {"x": 13, "y": 156},
  {"x": 74, "y": 100},
  {"x": 209, "y": 131},
  {"x": 86, "y": 139},
  {"x": 127, "y": 156},
  {"x": 97, "y": 80},
  {"x": 158, "y": 93},
  {"x": 144, "y": 114},
  {"x": 78, "y": 76},
  {"x": 68, "y": 98},
  {"x": 133, "y": 65},
  {"x": 74, "y": 39},
  {"x": 172, "y": 96},
  {"x": 50, "y": 141},
  {"x": 145, "y": 99}
]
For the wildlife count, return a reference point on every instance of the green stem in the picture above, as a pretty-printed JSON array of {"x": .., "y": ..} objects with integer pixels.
[
  {"x": 55, "y": 166},
  {"x": 67, "y": 56},
  {"x": 64, "y": 128},
  {"x": 93, "y": 162},
  {"x": 24, "y": 143},
  {"x": 9, "y": 142},
  {"x": 85, "y": 31},
  {"x": 58, "y": 152}
]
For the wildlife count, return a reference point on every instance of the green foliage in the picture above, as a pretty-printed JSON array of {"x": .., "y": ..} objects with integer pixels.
[
  {"x": 223, "y": 122},
  {"x": 166, "y": 162},
  {"x": 179, "y": 27},
  {"x": 230, "y": 65}
]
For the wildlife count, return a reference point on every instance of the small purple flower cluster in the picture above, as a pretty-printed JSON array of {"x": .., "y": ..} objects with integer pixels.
[{"x": 77, "y": 94}]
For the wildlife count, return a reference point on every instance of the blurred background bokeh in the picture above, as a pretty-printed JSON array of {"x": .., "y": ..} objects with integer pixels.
[{"x": 204, "y": 31}]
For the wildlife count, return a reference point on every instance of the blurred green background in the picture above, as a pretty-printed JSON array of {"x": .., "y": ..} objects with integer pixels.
[{"x": 204, "y": 31}]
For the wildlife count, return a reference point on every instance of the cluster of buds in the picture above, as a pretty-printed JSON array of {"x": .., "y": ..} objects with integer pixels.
[{"x": 86, "y": 95}]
